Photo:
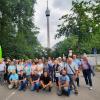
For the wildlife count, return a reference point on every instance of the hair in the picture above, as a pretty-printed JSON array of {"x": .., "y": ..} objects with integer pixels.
[{"x": 46, "y": 72}]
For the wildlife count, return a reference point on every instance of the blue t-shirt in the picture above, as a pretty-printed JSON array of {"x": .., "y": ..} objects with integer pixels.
[
  {"x": 11, "y": 68},
  {"x": 64, "y": 79},
  {"x": 77, "y": 62},
  {"x": 13, "y": 77}
]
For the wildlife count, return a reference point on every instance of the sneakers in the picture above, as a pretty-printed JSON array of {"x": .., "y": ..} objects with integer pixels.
[{"x": 90, "y": 88}]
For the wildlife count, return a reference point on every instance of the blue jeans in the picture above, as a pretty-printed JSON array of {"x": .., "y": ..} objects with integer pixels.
[
  {"x": 35, "y": 86},
  {"x": 23, "y": 84},
  {"x": 64, "y": 91}
]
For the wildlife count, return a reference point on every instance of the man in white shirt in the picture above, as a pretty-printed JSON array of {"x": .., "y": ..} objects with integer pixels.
[{"x": 72, "y": 71}]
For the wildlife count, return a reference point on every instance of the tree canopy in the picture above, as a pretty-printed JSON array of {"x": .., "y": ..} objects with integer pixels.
[
  {"x": 18, "y": 33},
  {"x": 83, "y": 23}
]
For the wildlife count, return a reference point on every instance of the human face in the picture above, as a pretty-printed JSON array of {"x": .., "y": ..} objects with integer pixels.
[
  {"x": 56, "y": 62},
  {"x": 85, "y": 59},
  {"x": 40, "y": 61},
  {"x": 45, "y": 74},
  {"x": 12, "y": 63},
  {"x": 63, "y": 72},
  {"x": 33, "y": 73},
  {"x": 69, "y": 60},
  {"x": 33, "y": 63},
  {"x": 74, "y": 56},
  {"x": 21, "y": 72}
]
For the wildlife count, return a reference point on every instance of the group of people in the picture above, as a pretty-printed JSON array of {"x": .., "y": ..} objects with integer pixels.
[{"x": 41, "y": 74}]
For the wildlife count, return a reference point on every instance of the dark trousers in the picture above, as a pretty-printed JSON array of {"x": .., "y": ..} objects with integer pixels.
[
  {"x": 87, "y": 77},
  {"x": 8, "y": 75},
  {"x": 22, "y": 85},
  {"x": 56, "y": 79},
  {"x": 77, "y": 80}
]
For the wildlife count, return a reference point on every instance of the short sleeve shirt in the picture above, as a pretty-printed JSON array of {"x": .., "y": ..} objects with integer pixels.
[
  {"x": 22, "y": 77},
  {"x": 77, "y": 62},
  {"x": 73, "y": 68},
  {"x": 34, "y": 77},
  {"x": 45, "y": 80},
  {"x": 13, "y": 77},
  {"x": 64, "y": 79},
  {"x": 11, "y": 68}
]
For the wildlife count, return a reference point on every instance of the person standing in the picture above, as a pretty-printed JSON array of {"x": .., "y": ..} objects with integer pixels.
[
  {"x": 56, "y": 68},
  {"x": 61, "y": 63},
  {"x": 33, "y": 67},
  {"x": 86, "y": 68},
  {"x": 78, "y": 63},
  {"x": 46, "y": 66},
  {"x": 27, "y": 69},
  {"x": 50, "y": 65},
  {"x": 7, "y": 63},
  {"x": 10, "y": 69},
  {"x": 40, "y": 67},
  {"x": 2, "y": 71},
  {"x": 72, "y": 71},
  {"x": 20, "y": 66}
]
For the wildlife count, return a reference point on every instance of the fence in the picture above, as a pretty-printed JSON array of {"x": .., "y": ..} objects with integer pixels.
[{"x": 94, "y": 58}]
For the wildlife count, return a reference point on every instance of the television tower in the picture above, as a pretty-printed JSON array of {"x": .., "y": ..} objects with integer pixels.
[{"x": 48, "y": 27}]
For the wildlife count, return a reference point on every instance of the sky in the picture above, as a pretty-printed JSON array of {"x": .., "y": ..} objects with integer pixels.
[{"x": 57, "y": 9}]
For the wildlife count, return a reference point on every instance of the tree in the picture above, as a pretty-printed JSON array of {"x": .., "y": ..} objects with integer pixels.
[
  {"x": 64, "y": 46},
  {"x": 18, "y": 33},
  {"x": 84, "y": 23}
]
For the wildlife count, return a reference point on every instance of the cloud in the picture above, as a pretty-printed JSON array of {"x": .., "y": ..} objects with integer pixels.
[
  {"x": 62, "y": 4},
  {"x": 57, "y": 9}
]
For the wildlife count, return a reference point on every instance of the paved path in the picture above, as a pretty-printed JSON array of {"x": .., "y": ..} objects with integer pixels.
[{"x": 84, "y": 93}]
